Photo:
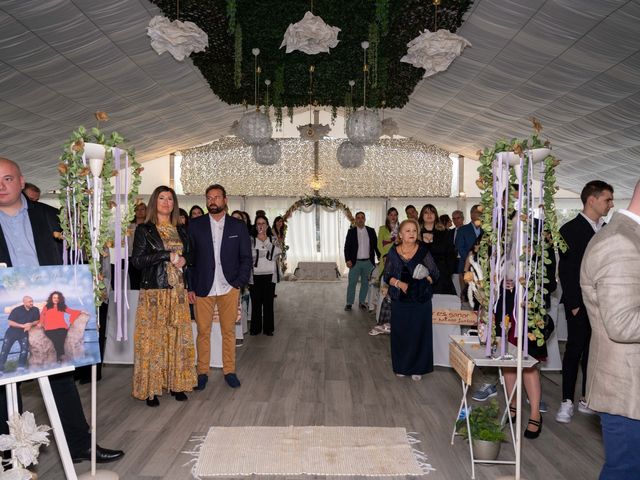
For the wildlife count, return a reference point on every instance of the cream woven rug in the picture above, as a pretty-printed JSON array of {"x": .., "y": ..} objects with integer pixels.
[{"x": 368, "y": 451}]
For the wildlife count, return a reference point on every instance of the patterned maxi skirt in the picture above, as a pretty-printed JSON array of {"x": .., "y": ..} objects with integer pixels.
[{"x": 164, "y": 352}]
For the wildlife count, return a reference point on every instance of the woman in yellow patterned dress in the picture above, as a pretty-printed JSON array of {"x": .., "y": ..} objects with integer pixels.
[{"x": 164, "y": 355}]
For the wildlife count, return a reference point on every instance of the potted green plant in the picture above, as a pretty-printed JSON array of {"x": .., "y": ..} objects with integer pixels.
[{"x": 486, "y": 430}]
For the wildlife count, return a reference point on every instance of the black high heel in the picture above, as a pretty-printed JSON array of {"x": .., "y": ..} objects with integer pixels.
[
  {"x": 153, "y": 402},
  {"x": 530, "y": 433}
]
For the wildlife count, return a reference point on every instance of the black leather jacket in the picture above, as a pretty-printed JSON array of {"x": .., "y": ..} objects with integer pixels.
[{"x": 150, "y": 257}]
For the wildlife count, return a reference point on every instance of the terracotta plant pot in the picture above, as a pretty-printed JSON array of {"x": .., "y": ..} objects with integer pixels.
[{"x": 484, "y": 450}]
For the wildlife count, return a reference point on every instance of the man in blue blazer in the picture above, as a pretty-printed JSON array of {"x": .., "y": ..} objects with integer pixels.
[
  {"x": 221, "y": 266},
  {"x": 465, "y": 237}
]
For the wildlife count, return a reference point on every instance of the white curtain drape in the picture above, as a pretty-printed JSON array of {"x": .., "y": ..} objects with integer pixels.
[
  {"x": 333, "y": 226},
  {"x": 333, "y": 231},
  {"x": 301, "y": 238},
  {"x": 373, "y": 208},
  {"x": 273, "y": 206}
]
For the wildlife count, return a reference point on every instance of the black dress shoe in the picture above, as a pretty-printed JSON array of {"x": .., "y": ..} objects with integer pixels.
[
  {"x": 179, "y": 396},
  {"x": 203, "y": 378},
  {"x": 153, "y": 402},
  {"x": 103, "y": 455},
  {"x": 535, "y": 423}
]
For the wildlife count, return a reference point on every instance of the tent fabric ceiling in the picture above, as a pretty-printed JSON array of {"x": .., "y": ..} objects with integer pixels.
[
  {"x": 60, "y": 61},
  {"x": 574, "y": 64}
]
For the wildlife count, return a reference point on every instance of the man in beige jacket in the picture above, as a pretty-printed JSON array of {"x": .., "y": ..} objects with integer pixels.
[{"x": 610, "y": 281}]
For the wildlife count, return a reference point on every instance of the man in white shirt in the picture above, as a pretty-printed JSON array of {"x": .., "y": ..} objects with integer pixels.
[
  {"x": 219, "y": 268},
  {"x": 610, "y": 281},
  {"x": 360, "y": 251}
]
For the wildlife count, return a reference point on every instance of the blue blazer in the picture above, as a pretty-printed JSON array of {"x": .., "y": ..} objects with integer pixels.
[
  {"x": 235, "y": 253},
  {"x": 465, "y": 238}
]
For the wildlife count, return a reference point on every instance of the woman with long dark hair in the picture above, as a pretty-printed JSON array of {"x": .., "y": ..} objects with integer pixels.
[
  {"x": 388, "y": 233},
  {"x": 195, "y": 211},
  {"x": 440, "y": 244},
  {"x": 247, "y": 220},
  {"x": 265, "y": 275},
  {"x": 164, "y": 353},
  {"x": 183, "y": 218},
  {"x": 53, "y": 321},
  {"x": 279, "y": 230}
]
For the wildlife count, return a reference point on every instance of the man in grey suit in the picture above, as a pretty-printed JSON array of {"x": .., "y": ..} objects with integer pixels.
[{"x": 610, "y": 281}]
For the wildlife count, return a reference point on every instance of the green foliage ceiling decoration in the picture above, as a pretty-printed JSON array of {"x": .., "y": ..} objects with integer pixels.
[{"x": 235, "y": 27}]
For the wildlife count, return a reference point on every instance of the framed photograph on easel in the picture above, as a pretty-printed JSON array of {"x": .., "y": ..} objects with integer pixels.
[{"x": 47, "y": 320}]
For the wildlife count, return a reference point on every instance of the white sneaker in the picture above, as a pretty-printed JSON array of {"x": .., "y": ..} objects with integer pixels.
[
  {"x": 377, "y": 330},
  {"x": 582, "y": 408},
  {"x": 565, "y": 412},
  {"x": 416, "y": 378}
]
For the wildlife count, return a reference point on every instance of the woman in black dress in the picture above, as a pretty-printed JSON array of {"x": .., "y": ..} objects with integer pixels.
[
  {"x": 410, "y": 270},
  {"x": 440, "y": 244}
]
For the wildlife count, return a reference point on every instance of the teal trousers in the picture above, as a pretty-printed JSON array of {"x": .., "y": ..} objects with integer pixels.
[{"x": 360, "y": 270}]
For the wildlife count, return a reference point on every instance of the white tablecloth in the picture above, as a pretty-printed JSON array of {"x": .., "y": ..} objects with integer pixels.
[
  {"x": 441, "y": 337},
  {"x": 441, "y": 332},
  {"x": 122, "y": 352}
]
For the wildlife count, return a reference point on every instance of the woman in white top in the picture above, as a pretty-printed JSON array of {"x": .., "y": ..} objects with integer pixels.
[{"x": 265, "y": 275}]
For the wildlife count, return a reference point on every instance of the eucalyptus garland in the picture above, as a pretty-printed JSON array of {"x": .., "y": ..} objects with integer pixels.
[
  {"x": 278, "y": 92},
  {"x": 231, "y": 15},
  {"x": 538, "y": 259},
  {"x": 372, "y": 54},
  {"x": 334, "y": 115},
  {"x": 76, "y": 197},
  {"x": 382, "y": 16},
  {"x": 237, "y": 57}
]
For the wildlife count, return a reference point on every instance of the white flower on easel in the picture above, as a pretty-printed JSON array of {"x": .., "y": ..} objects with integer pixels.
[{"x": 25, "y": 439}]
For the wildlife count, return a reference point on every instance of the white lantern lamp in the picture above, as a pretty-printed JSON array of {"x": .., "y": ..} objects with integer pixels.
[{"x": 95, "y": 153}]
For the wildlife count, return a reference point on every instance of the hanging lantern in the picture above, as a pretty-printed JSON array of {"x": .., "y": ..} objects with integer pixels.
[
  {"x": 267, "y": 154},
  {"x": 434, "y": 51},
  {"x": 255, "y": 128},
  {"x": 310, "y": 35},
  {"x": 350, "y": 155},
  {"x": 364, "y": 127}
]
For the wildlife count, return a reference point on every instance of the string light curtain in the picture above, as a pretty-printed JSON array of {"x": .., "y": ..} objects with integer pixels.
[{"x": 395, "y": 168}]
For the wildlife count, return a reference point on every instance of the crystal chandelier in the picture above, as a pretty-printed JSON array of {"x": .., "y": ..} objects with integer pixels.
[
  {"x": 255, "y": 127},
  {"x": 267, "y": 154},
  {"x": 364, "y": 127},
  {"x": 350, "y": 155}
]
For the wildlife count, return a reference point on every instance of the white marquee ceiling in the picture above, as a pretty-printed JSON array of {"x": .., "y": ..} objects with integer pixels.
[{"x": 574, "y": 64}]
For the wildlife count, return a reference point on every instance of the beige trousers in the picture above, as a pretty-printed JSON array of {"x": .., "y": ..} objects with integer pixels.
[{"x": 228, "y": 312}]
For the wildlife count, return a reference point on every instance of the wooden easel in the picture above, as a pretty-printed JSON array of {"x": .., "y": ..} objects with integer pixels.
[{"x": 50, "y": 404}]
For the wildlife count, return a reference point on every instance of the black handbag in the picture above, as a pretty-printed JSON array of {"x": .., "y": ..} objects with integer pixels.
[{"x": 549, "y": 326}]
